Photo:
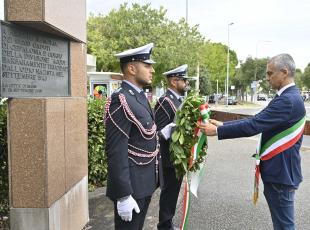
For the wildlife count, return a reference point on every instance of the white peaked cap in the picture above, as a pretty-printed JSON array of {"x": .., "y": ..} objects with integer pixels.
[
  {"x": 141, "y": 54},
  {"x": 180, "y": 71}
]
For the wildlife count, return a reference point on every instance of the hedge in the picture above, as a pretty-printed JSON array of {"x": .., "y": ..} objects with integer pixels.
[
  {"x": 4, "y": 177},
  {"x": 97, "y": 159}
]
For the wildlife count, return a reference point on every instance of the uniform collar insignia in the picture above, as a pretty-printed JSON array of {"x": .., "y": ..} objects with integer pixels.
[
  {"x": 119, "y": 89},
  {"x": 131, "y": 92},
  {"x": 171, "y": 96}
]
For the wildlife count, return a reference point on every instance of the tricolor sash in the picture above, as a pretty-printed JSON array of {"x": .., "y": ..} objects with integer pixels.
[{"x": 276, "y": 145}]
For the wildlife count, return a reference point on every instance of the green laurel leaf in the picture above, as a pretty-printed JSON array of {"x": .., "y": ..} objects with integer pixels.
[
  {"x": 175, "y": 136},
  {"x": 182, "y": 137}
]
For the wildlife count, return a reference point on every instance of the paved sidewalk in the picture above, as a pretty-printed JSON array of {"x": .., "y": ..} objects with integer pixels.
[
  {"x": 101, "y": 212},
  {"x": 224, "y": 195}
]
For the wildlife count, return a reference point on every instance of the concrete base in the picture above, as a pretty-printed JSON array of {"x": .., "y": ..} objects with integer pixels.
[{"x": 70, "y": 212}]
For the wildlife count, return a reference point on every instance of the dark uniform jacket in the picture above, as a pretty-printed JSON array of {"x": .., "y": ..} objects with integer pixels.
[
  {"x": 282, "y": 112},
  {"x": 128, "y": 172},
  {"x": 165, "y": 110}
]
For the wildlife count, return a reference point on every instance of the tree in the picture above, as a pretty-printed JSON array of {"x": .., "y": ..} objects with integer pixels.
[
  {"x": 239, "y": 84},
  {"x": 261, "y": 65},
  {"x": 252, "y": 70},
  {"x": 176, "y": 43},
  {"x": 121, "y": 29},
  {"x": 306, "y": 77},
  {"x": 205, "y": 86},
  {"x": 245, "y": 75},
  {"x": 299, "y": 79},
  {"x": 214, "y": 60}
]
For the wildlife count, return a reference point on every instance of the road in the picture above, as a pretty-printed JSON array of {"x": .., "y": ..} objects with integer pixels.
[
  {"x": 253, "y": 109},
  {"x": 224, "y": 195}
]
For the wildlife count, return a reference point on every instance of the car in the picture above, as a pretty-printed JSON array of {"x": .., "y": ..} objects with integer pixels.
[
  {"x": 218, "y": 96},
  {"x": 232, "y": 100},
  {"x": 261, "y": 98},
  {"x": 211, "y": 99}
]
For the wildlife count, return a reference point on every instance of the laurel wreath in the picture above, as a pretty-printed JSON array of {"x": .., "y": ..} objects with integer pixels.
[{"x": 182, "y": 136}]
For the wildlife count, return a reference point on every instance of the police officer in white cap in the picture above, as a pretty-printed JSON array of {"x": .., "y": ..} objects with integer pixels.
[
  {"x": 165, "y": 110},
  {"x": 131, "y": 141}
]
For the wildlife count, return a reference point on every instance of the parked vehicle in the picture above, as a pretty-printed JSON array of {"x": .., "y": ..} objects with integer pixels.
[
  {"x": 211, "y": 99},
  {"x": 261, "y": 98},
  {"x": 219, "y": 96},
  {"x": 232, "y": 100}
]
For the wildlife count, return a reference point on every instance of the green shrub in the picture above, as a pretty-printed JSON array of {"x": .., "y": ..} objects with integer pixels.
[
  {"x": 4, "y": 177},
  {"x": 97, "y": 159}
]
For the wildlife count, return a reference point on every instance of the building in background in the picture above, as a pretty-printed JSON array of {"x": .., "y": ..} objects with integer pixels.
[{"x": 101, "y": 84}]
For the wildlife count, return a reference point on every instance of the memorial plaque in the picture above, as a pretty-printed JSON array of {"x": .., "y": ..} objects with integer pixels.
[{"x": 33, "y": 64}]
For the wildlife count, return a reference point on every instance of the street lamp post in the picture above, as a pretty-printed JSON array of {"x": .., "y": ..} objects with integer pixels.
[
  {"x": 197, "y": 80},
  {"x": 217, "y": 92},
  {"x": 186, "y": 11},
  {"x": 227, "y": 74}
]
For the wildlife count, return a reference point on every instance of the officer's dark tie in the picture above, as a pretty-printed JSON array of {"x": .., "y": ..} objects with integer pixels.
[
  {"x": 146, "y": 102},
  {"x": 144, "y": 99}
]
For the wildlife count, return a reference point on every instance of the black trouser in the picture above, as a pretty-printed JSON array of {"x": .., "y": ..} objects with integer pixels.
[
  {"x": 137, "y": 218},
  {"x": 168, "y": 198}
]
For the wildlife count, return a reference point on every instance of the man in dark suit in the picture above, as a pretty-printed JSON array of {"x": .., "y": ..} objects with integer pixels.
[
  {"x": 131, "y": 141},
  {"x": 165, "y": 110},
  {"x": 281, "y": 124}
]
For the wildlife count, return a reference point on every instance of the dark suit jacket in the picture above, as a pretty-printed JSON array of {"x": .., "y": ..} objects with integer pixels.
[
  {"x": 281, "y": 113},
  {"x": 126, "y": 177},
  {"x": 164, "y": 115}
]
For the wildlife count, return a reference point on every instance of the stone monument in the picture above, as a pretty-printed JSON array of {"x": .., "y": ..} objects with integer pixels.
[{"x": 43, "y": 73}]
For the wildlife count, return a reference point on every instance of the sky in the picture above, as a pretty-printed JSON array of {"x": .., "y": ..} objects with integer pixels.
[
  {"x": 1, "y": 9},
  {"x": 262, "y": 28}
]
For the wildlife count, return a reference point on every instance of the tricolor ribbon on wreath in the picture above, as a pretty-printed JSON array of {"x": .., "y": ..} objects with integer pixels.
[
  {"x": 192, "y": 179},
  {"x": 274, "y": 146}
]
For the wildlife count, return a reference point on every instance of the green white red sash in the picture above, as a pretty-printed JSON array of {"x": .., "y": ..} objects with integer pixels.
[
  {"x": 276, "y": 145},
  {"x": 186, "y": 205},
  {"x": 194, "y": 177}
]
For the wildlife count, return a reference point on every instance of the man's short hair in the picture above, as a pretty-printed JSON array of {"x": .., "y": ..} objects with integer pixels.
[
  {"x": 282, "y": 61},
  {"x": 123, "y": 66}
]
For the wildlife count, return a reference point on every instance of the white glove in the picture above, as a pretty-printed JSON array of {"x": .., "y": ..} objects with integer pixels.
[
  {"x": 125, "y": 207},
  {"x": 166, "y": 131}
]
